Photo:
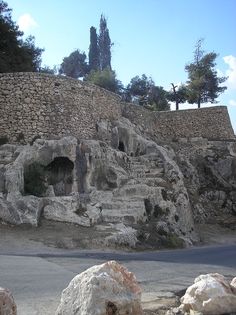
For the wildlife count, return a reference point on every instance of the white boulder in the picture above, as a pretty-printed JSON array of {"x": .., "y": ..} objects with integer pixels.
[
  {"x": 210, "y": 294},
  {"x": 7, "y": 304},
  {"x": 105, "y": 289}
]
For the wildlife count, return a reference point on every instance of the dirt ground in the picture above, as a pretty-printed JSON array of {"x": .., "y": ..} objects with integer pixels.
[{"x": 59, "y": 235}]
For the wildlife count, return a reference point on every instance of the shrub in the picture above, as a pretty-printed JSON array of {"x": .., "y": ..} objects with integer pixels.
[
  {"x": 3, "y": 140},
  {"x": 35, "y": 180}
]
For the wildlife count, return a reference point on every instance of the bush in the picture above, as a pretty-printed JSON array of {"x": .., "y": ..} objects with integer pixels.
[
  {"x": 106, "y": 79},
  {"x": 3, "y": 140},
  {"x": 172, "y": 241},
  {"x": 35, "y": 180}
]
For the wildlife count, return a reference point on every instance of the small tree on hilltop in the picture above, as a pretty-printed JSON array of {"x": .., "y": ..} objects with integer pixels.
[
  {"x": 178, "y": 94},
  {"x": 74, "y": 65},
  {"x": 203, "y": 83},
  {"x": 106, "y": 79},
  {"x": 139, "y": 87},
  {"x": 157, "y": 98}
]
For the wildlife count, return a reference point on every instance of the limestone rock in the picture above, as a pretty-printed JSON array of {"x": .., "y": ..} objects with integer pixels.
[
  {"x": 124, "y": 236},
  {"x": 233, "y": 285},
  {"x": 209, "y": 175},
  {"x": 7, "y": 303},
  {"x": 210, "y": 294},
  {"x": 106, "y": 289},
  {"x": 47, "y": 160}
]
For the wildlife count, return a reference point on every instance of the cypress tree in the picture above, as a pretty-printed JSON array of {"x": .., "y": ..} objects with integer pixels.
[
  {"x": 104, "y": 45},
  {"x": 93, "y": 50}
]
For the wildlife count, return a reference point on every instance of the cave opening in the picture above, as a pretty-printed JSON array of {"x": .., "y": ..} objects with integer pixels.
[
  {"x": 121, "y": 146},
  {"x": 60, "y": 175}
]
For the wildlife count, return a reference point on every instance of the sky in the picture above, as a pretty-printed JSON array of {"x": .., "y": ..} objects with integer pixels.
[{"x": 154, "y": 37}]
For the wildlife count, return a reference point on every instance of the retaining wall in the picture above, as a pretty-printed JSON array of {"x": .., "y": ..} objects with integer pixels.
[{"x": 35, "y": 104}]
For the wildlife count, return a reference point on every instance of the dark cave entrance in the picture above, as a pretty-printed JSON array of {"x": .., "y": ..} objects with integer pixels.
[
  {"x": 60, "y": 175},
  {"x": 121, "y": 146}
]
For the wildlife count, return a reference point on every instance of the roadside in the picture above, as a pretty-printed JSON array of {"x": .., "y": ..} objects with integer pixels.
[
  {"x": 37, "y": 280},
  {"x": 51, "y": 235}
]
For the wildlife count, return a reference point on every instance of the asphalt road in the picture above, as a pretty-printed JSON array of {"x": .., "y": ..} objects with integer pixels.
[
  {"x": 37, "y": 279},
  {"x": 217, "y": 255}
]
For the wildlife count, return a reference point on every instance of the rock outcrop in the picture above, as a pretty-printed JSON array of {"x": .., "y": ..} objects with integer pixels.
[
  {"x": 148, "y": 192},
  {"x": 210, "y": 294},
  {"x": 210, "y": 177},
  {"x": 7, "y": 303},
  {"x": 106, "y": 289}
]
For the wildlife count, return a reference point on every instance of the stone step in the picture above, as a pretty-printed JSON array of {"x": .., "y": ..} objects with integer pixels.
[
  {"x": 127, "y": 215},
  {"x": 119, "y": 204},
  {"x": 155, "y": 182},
  {"x": 139, "y": 190},
  {"x": 155, "y": 173}
]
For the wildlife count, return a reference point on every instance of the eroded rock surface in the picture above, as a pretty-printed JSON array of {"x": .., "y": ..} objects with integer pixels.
[
  {"x": 149, "y": 193},
  {"x": 7, "y": 303},
  {"x": 106, "y": 289},
  {"x": 210, "y": 294},
  {"x": 210, "y": 178}
]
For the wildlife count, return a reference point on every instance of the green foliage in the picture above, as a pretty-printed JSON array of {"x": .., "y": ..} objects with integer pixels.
[
  {"x": 143, "y": 90},
  {"x": 106, "y": 79},
  {"x": 140, "y": 86},
  {"x": 48, "y": 70},
  {"x": 203, "y": 83},
  {"x": 172, "y": 241},
  {"x": 16, "y": 54},
  {"x": 75, "y": 65},
  {"x": 178, "y": 94},
  {"x": 34, "y": 180},
  {"x": 3, "y": 140},
  {"x": 104, "y": 43},
  {"x": 157, "y": 98},
  {"x": 93, "y": 50}
]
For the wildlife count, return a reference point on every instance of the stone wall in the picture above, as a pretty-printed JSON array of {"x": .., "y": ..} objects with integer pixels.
[
  {"x": 209, "y": 122},
  {"x": 35, "y": 104}
]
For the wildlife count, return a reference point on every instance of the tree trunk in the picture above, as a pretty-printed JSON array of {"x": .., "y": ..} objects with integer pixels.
[
  {"x": 177, "y": 105},
  {"x": 176, "y": 96},
  {"x": 199, "y": 103}
]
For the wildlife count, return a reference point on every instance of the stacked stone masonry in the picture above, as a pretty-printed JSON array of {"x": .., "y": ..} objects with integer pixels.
[
  {"x": 35, "y": 104},
  {"x": 212, "y": 123}
]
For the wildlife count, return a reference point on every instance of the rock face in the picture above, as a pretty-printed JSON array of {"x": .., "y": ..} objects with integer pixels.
[
  {"x": 107, "y": 289},
  {"x": 210, "y": 178},
  {"x": 7, "y": 304},
  {"x": 32, "y": 176},
  {"x": 152, "y": 192},
  {"x": 210, "y": 294}
]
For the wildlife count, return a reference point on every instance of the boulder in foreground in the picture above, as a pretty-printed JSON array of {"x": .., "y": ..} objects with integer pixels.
[
  {"x": 210, "y": 294},
  {"x": 107, "y": 289},
  {"x": 7, "y": 303}
]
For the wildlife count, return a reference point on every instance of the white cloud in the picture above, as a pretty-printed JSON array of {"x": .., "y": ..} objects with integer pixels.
[
  {"x": 232, "y": 103},
  {"x": 26, "y": 22},
  {"x": 231, "y": 72}
]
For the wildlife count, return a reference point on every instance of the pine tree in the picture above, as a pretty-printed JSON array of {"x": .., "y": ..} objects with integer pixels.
[
  {"x": 93, "y": 50},
  {"x": 104, "y": 45},
  {"x": 203, "y": 83},
  {"x": 16, "y": 54},
  {"x": 75, "y": 65}
]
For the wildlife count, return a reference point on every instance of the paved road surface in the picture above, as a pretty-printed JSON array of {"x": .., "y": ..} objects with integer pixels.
[{"x": 37, "y": 279}]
